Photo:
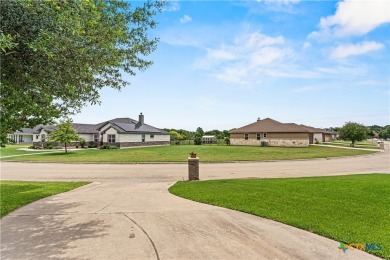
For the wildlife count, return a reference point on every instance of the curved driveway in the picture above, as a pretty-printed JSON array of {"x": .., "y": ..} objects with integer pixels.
[{"x": 127, "y": 213}]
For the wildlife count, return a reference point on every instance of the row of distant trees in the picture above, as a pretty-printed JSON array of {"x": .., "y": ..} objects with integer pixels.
[
  {"x": 350, "y": 131},
  {"x": 181, "y": 134}
]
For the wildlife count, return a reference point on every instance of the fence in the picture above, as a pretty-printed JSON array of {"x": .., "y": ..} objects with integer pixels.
[{"x": 191, "y": 142}]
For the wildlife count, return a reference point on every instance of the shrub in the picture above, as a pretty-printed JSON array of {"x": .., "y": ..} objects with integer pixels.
[
  {"x": 198, "y": 141},
  {"x": 82, "y": 143},
  {"x": 92, "y": 146},
  {"x": 109, "y": 147},
  {"x": 32, "y": 147}
]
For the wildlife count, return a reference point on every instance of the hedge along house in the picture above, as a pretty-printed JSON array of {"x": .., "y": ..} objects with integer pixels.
[
  {"x": 269, "y": 132},
  {"x": 122, "y": 132}
]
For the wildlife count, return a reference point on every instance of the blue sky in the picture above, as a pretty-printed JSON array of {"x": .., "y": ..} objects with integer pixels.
[{"x": 223, "y": 64}]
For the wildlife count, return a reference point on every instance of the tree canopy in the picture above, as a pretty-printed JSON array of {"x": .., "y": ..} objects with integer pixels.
[
  {"x": 385, "y": 133},
  {"x": 353, "y": 132},
  {"x": 64, "y": 134},
  {"x": 56, "y": 55}
]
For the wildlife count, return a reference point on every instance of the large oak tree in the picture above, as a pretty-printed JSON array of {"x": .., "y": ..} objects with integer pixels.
[
  {"x": 353, "y": 132},
  {"x": 57, "y": 54}
]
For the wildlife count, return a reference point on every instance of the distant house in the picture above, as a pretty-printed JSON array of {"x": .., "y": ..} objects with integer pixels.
[
  {"x": 122, "y": 132},
  {"x": 269, "y": 132},
  {"x": 209, "y": 139}
]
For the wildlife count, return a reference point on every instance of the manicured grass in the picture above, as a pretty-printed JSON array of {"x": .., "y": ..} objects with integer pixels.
[
  {"x": 349, "y": 209},
  {"x": 206, "y": 153},
  {"x": 14, "y": 149},
  {"x": 15, "y": 194}
]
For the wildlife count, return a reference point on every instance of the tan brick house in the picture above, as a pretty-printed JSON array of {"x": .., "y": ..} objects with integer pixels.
[{"x": 269, "y": 132}]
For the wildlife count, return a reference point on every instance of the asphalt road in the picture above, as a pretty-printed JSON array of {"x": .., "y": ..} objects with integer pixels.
[{"x": 127, "y": 213}]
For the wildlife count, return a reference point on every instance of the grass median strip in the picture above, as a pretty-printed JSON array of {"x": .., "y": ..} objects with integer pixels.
[
  {"x": 349, "y": 209},
  {"x": 179, "y": 153},
  {"x": 15, "y": 194}
]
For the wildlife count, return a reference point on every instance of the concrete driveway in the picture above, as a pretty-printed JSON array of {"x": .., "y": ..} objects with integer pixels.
[{"x": 127, "y": 213}]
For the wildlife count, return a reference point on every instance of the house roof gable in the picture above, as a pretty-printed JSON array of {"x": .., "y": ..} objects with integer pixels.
[{"x": 269, "y": 125}]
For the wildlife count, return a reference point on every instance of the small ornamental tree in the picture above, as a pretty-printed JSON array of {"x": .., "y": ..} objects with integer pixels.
[
  {"x": 353, "y": 132},
  {"x": 65, "y": 134}
]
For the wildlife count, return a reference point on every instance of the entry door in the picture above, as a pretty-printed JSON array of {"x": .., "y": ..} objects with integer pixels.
[{"x": 143, "y": 138}]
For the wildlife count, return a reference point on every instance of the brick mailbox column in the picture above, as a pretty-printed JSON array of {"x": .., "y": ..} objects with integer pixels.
[{"x": 193, "y": 169}]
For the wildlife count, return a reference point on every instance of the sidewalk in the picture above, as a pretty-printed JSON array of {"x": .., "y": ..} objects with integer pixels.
[{"x": 353, "y": 148}]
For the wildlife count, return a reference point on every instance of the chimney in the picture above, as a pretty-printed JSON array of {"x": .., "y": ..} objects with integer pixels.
[{"x": 141, "y": 119}]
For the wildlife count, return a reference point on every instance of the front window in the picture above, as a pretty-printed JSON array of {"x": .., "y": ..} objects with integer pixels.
[
  {"x": 151, "y": 136},
  {"x": 258, "y": 136},
  {"x": 246, "y": 136},
  {"x": 96, "y": 138},
  {"x": 111, "y": 138},
  {"x": 37, "y": 137},
  {"x": 265, "y": 135}
]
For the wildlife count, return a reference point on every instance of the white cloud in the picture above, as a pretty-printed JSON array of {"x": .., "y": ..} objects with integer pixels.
[
  {"x": 249, "y": 56},
  {"x": 306, "y": 45},
  {"x": 185, "y": 19},
  {"x": 304, "y": 89},
  {"x": 220, "y": 54},
  {"x": 347, "y": 50},
  {"x": 353, "y": 18},
  {"x": 280, "y": 2},
  {"x": 172, "y": 6}
]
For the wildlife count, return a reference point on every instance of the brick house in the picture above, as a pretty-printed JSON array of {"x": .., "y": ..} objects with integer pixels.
[
  {"x": 269, "y": 132},
  {"x": 122, "y": 132}
]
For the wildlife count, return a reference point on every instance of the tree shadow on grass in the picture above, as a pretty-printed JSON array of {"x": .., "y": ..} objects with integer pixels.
[{"x": 46, "y": 236}]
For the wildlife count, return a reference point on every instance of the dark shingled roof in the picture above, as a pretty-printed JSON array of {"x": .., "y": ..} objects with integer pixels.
[
  {"x": 123, "y": 125},
  {"x": 269, "y": 125},
  {"x": 85, "y": 128},
  {"x": 138, "y": 128}
]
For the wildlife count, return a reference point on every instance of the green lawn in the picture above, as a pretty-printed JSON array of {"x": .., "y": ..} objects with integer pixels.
[
  {"x": 349, "y": 209},
  {"x": 15, "y": 194},
  {"x": 14, "y": 149},
  {"x": 179, "y": 153}
]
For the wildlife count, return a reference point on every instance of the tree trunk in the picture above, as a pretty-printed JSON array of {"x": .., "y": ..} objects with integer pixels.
[
  {"x": 66, "y": 151},
  {"x": 353, "y": 143}
]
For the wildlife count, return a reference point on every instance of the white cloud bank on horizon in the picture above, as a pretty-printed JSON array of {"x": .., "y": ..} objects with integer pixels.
[
  {"x": 353, "y": 18},
  {"x": 347, "y": 50}
]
